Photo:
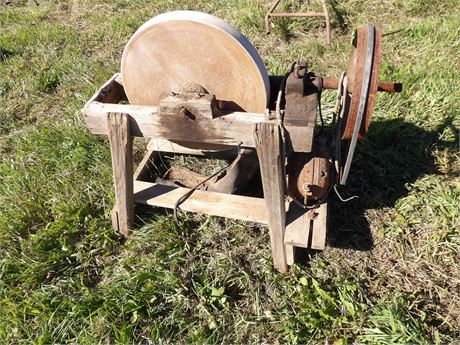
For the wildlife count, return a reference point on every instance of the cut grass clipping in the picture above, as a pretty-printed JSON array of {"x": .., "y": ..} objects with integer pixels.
[{"x": 389, "y": 273}]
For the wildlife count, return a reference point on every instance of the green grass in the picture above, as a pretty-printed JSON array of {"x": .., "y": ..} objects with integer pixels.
[{"x": 390, "y": 271}]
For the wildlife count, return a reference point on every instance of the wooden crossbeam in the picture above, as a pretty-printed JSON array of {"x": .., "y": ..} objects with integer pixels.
[
  {"x": 217, "y": 204},
  {"x": 165, "y": 145},
  {"x": 230, "y": 129},
  {"x": 148, "y": 121}
]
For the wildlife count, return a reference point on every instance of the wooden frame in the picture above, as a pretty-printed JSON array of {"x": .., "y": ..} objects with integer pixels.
[
  {"x": 103, "y": 115},
  {"x": 232, "y": 129}
]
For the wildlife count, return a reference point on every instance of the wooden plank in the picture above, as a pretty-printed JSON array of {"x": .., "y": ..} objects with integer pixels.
[
  {"x": 320, "y": 228},
  {"x": 268, "y": 145},
  {"x": 231, "y": 129},
  {"x": 205, "y": 104},
  {"x": 165, "y": 145},
  {"x": 306, "y": 228},
  {"x": 217, "y": 204},
  {"x": 121, "y": 146},
  {"x": 297, "y": 226}
]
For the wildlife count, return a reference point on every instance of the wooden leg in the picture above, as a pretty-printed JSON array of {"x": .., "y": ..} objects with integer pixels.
[
  {"x": 271, "y": 161},
  {"x": 121, "y": 146}
]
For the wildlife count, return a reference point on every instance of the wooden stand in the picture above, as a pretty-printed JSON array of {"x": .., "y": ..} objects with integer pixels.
[{"x": 297, "y": 227}]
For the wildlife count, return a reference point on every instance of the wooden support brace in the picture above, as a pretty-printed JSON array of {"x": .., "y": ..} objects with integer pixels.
[
  {"x": 142, "y": 170},
  {"x": 229, "y": 129},
  {"x": 268, "y": 145},
  {"x": 121, "y": 147},
  {"x": 165, "y": 145},
  {"x": 306, "y": 228},
  {"x": 217, "y": 204}
]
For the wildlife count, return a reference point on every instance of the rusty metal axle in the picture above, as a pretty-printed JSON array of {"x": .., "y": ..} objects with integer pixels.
[{"x": 333, "y": 84}]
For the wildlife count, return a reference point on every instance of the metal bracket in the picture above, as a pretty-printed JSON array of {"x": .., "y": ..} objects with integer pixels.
[{"x": 301, "y": 97}]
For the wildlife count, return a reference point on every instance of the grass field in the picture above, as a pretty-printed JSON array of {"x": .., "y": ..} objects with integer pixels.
[{"x": 390, "y": 273}]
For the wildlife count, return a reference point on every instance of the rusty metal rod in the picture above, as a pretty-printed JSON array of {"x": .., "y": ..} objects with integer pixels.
[
  {"x": 267, "y": 17},
  {"x": 333, "y": 84},
  {"x": 271, "y": 13},
  {"x": 328, "y": 22},
  {"x": 297, "y": 14}
]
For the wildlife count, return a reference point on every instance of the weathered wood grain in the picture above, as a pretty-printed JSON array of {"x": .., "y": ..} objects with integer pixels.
[
  {"x": 217, "y": 204},
  {"x": 230, "y": 129},
  {"x": 121, "y": 146},
  {"x": 268, "y": 145},
  {"x": 305, "y": 230},
  {"x": 165, "y": 145},
  {"x": 199, "y": 105},
  {"x": 318, "y": 241},
  {"x": 297, "y": 226}
]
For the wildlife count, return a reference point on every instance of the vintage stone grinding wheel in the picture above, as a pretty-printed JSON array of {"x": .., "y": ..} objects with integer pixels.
[
  {"x": 185, "y": 51},
  {"x": 182, "y": 47},
  {"x": 195, "y": 85}
]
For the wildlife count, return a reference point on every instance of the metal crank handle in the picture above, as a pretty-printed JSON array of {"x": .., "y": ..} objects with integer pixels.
[{"x": 333, "y": 84}]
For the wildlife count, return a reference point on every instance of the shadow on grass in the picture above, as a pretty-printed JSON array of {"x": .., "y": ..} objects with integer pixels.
[
  {"x": 393, "y": 154},
  {"x": 338, "y": 14},
  {"x": 4, "y": 54}
]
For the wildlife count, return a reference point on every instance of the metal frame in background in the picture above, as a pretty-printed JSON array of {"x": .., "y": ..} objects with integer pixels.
[{"x": 324, "y": 14}]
